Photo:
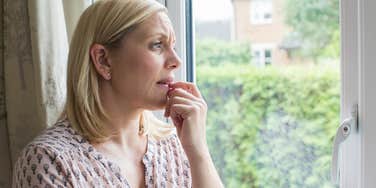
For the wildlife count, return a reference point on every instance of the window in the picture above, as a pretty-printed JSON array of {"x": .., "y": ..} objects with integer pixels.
[
  {"x": 261, "y": 54},
  {"x": 268, "y": 57},
  {"x": 358, "y": 167},
  {"x": 257, "y": 57},
  {"x": 261, "y": 11},
  {"x": 269, "y": 126}
]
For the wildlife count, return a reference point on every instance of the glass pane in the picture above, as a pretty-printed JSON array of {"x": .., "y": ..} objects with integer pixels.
[
  {"x": 270, "y": 126},
  {"x": 268, "y": 53}
]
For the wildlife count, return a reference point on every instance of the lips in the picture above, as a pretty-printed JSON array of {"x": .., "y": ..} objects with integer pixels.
[{"x": 166, "y": 81}]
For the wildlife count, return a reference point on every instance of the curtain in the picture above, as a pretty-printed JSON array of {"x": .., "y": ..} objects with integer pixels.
[{"x": 35, "y": 42}]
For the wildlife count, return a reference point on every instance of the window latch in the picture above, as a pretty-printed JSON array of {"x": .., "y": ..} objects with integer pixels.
[{"x": 343, "y": 132}]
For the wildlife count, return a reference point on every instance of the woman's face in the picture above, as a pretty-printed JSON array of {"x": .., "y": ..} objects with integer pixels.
[{"x": 145, "y": 63}]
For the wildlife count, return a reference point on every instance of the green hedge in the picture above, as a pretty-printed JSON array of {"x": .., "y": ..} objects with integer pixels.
[
  {"x": 271, "y": 127},
  {"x": 216, "y": 52}
]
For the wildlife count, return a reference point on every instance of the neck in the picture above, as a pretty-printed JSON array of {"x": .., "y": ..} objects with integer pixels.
[
  {"x": 126, "y": 127},
  {"x": 123, "y": 121}
]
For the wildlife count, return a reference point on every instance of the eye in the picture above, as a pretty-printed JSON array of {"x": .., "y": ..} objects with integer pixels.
[{"x": 157, "y": 45}]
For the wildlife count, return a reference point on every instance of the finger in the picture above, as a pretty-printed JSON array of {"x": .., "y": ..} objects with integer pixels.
[
  {"x": 187, "y": 86},
  {"x": 167, "y": 108},
  {"x": 180, "y": 111},
  {"x": 171, "y": 93},
  {"x": 179, "y": 100},
  {"x": 182, "y": 93}
]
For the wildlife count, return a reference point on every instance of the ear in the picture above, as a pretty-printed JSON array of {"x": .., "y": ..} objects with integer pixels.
[{"x": 99, "y": 57}]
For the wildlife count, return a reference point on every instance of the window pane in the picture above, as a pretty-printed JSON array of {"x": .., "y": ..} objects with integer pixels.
[
  {"x": 268, "y": 53},
  {"x": 273, "y": 90},
  {"x": 261, "y": 11}
]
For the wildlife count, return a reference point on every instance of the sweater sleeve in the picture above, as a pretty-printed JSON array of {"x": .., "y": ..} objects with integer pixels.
[{"x": 40, "y": 167}]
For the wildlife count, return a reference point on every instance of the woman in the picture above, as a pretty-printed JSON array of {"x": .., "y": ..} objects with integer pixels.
[{"x": 121, "y": 65}]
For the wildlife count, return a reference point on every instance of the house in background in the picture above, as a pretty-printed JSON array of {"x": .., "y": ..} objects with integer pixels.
[
  {"x": 218, "y": 29},
  {"x": 261, "y": 22}
]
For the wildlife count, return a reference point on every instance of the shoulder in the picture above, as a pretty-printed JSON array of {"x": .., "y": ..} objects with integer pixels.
[
  {"x": 47, "y": 159},
  {"x": 58, "y": 139},
  {"x": 55, "y": 143}
]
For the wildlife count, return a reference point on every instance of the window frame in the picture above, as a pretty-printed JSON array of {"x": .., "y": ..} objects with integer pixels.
[
  {"x": 358, "y": 167},
  {"x": 262, "y": 48},
  {"x": 349, "y": 162},
  {"x": 261, "y": 11},
  {"x": 367, "y": 92}
]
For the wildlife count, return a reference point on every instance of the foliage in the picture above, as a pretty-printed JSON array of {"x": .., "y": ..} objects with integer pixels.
[
  {"x": 271, "y": 127},
  {"x": 317, "y": 24},
  {"x": 216, "y": 52}
]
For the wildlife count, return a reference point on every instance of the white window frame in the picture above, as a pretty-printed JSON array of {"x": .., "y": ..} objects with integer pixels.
[
  {"x": 358, "y": 42},
  {"x": 367, "y": 91},
  {"x": 349, "y": 162},
  {"x": 262, "y": 47},
  {"x": 260, "y": 8},
  {"x": 358, "y": 165}
]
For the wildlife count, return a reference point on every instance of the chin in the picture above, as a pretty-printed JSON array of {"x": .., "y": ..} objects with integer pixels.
[{"x": 157, "y": 105}]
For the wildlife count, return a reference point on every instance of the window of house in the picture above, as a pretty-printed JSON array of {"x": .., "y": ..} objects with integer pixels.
[
  {"x": 261, "y": 54},
  {"x": 257, "y": 57},
  {"x": 261, "y": 11},
  {"x": 274, "y": 127}
]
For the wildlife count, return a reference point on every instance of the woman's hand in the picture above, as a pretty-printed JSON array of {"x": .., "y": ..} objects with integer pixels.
[{"x": 187, "y": 109}]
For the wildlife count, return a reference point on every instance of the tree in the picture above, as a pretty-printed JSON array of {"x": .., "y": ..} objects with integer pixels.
[{"x": 316, "y": 23}]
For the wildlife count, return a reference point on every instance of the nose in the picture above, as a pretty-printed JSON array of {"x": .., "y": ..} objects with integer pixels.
[{"x": 173, "y": 61}]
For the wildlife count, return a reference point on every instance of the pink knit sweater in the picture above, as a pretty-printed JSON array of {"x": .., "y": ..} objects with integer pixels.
[{"x": 60, "y": 157}]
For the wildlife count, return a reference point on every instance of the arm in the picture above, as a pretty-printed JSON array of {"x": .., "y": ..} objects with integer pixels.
[
  {"x": 187, "y": 110},
  {"x": 203, "y": 170}
]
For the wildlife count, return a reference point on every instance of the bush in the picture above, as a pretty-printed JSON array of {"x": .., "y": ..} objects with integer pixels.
[
  {"x": 271, "y": 127},
  {"x": 216, "y": 52}
]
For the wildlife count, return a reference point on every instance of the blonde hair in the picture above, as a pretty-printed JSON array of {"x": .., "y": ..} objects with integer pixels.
[{"x": 105, "y": 22}]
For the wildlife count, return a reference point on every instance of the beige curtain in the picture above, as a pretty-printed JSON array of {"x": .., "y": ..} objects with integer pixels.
[{"x": 32, "y": 85}]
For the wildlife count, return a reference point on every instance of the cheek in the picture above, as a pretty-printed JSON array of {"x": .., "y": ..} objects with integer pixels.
[
  {"x": 150, "y": 67},
  {"x": 142, "y": 72},
  {"x": 142, "y": 77}
]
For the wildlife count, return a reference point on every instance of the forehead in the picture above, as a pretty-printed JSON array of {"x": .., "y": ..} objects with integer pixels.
[{"x": 158, "y": 23}]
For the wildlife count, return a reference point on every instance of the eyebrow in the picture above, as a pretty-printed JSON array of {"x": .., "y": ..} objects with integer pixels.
[{"x": 163, "y": 35}]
